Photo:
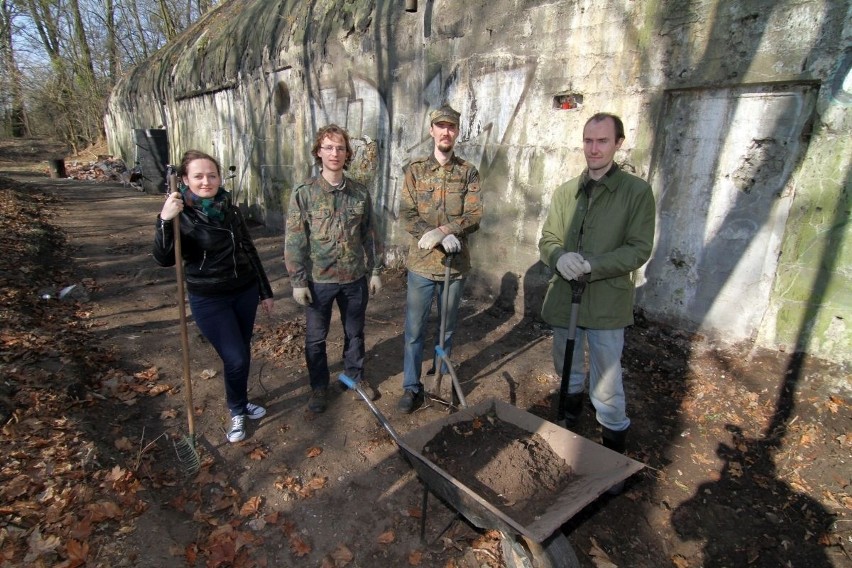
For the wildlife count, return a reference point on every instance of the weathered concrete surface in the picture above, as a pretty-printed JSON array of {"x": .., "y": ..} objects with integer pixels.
[{"x": 737, "y": 112}]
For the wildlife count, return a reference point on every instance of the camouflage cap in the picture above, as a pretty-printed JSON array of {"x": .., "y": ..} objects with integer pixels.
[{"x": 444, "y": 114}]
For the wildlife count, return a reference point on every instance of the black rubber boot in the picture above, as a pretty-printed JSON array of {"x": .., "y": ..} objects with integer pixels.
[
  {"x": 573, "y": 409},
  {"x": 617, "y": 442}
]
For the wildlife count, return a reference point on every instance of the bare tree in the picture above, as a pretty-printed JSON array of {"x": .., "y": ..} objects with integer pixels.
[
  {"x": 16, "y": 110},
  {"x": 87, "y": 45}
]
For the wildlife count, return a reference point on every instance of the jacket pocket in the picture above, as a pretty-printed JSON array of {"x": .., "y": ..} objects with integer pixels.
[
  {"x": 354, "y": 216},
  {"x": 320, "y": 222},
  {"x": 454, "y": 204}
]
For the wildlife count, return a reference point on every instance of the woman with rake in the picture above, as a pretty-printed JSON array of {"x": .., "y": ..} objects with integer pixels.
[{"x": 225, "y": 279}]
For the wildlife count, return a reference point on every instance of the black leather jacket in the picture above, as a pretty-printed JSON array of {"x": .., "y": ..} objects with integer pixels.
[{"x": 219, "y": 258}]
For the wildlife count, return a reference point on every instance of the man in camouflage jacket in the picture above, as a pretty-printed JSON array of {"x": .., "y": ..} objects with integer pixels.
[
  {"x": 441, "y": 206},
  {"x": 329, "y": 249}
]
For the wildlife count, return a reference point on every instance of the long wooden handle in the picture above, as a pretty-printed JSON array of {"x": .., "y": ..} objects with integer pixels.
[{"x": 184, "y": 336}]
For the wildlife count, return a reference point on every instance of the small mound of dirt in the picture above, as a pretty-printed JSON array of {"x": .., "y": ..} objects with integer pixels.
[{"x": 511, "y": 468}]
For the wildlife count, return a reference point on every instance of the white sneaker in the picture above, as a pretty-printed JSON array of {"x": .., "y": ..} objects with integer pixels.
[
  {"x": 238, "y": 429},
  {"x": 254, "y": 411}
]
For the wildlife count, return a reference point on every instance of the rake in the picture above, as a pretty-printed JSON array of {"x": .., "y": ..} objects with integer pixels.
[{"x": 185, "y": 448}]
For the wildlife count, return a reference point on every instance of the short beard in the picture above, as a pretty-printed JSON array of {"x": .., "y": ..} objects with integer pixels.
[{"x": 444, "y": 147}]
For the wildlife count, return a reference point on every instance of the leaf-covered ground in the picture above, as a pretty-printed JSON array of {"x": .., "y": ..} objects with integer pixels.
[{"x": 747, "y": 452}]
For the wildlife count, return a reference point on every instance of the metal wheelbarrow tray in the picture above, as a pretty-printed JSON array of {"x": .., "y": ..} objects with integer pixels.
[
  {"x": 540, "y": 543},
  {"x": 595, "y": 468}
]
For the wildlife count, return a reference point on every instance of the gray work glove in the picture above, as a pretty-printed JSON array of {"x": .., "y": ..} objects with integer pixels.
[
  {"x": 302, "y": 296},
  {"x": 451, "y": 244},
  {"x": 572, "y": 265},
  {"x": 431, "y": 239},
  {"x": 375, "y": 285}
]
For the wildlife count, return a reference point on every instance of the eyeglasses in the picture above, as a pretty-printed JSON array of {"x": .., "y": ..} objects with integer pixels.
[{"x": 341, "y": 149}]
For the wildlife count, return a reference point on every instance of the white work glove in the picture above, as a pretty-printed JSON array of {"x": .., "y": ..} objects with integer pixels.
[
  {"x": 451, "y": 244},
  {"x": 375, "y": 285},
  {"x": 431, "y": 239},
  {"x": 172, "y": 207},
  {"x": 572, "y": 265},
  {"x": 302, "y": 296}
]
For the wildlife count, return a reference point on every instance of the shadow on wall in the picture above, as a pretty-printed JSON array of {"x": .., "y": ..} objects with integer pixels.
[{"x": 507, "y": 298}]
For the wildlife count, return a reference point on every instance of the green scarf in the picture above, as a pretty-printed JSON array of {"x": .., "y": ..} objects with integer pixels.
[{"x": 212, "y": 207}]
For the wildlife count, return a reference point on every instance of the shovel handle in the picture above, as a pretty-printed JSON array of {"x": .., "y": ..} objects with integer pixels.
[{"x": 577, "y": 288}]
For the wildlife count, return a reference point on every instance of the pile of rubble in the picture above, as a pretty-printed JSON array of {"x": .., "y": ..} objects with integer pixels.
[{"x": 106, "y": 168}]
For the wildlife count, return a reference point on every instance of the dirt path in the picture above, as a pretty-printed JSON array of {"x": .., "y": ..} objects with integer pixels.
[{"x": 748, "y": 453}]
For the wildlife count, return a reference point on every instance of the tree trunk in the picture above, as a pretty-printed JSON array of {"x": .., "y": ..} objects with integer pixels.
[
  {"x": 18, "y": 122},
  {"x": 111, "y": 42}
]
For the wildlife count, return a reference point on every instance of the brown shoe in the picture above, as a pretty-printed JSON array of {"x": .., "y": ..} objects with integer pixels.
[
  {"x": 318, "y": 401},
  {"x": 367, "y": 389}
]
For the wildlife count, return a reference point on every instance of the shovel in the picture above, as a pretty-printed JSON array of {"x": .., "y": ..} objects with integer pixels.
[
  {"x": 577, "y": 287},
  {"x": 185, "y": 447},
  {"x": 442, "y": 357}
]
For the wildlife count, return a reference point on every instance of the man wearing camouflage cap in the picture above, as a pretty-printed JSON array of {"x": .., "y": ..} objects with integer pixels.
[{"x": 441, "y": 206}]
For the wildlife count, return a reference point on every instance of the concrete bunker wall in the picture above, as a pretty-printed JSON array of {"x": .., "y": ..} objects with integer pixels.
[{"x": 738, "y": 113}]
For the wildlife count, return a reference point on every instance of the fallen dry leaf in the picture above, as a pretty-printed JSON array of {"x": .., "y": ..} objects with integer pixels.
[
  {"x": 258, "y": 454},
  {"x": 124, "y": 444},
  {"x": 39, "y": 545},
  {"x": 207, "y": 374},
  {"x": 271, "y": 518},
  {"x": 168, "y": 413},
  {"x": 149, "y": 374},
  {"x": 103, "y": 510},
  {"x": 386, "y": 537},
  {"x": 288, "y": 528},
  {"x": 78, "y": 552},
  {"x": 159, "y": 389},
  {"x": 299, "y": 546},
  {"x": 313, "y": 452},
  {"x": 679, "y": 561},
  {"x": 415, "y": 557},
  {"x": 250, "y": 507},
  {"x": 342, "y": 556}
]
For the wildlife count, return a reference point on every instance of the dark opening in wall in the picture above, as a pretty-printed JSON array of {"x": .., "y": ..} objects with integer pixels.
[
  {"x": 568, "y": 101},
  {"x": 282, "y": 98}
]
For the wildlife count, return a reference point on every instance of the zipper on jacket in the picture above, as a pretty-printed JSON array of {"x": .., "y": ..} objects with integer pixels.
[{"x": 234, "y": 253}]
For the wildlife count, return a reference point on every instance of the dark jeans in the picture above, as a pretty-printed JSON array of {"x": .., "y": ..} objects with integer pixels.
[
  {"x": 228, "y": 322},
  {"x": 352, "y": 302}
]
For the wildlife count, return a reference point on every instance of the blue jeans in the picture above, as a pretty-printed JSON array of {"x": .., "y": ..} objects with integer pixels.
[
  {"x": 418, "y": 304},
  {"x": 228, "y": 323},
  {"x": 605, "y": 380},
  {"x": 352, "y": 302}
]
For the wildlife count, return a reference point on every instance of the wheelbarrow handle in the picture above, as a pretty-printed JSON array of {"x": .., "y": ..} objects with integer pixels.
[{"x": 352, "y": 384}]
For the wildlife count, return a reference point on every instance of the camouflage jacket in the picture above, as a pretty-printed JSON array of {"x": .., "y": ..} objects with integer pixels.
[
  {"x": 433, "y": 196},
  {"x": 330, "y": 233}
]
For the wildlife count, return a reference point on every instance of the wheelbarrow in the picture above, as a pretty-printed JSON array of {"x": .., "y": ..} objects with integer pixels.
[{"x": 539, "y": 543}]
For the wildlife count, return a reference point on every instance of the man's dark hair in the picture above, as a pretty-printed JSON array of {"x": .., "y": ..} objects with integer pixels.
[
  {"x": 619, "y": 126},
  {"x": 332, "y": 130}
]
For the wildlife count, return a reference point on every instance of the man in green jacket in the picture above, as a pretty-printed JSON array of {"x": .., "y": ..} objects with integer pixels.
[{"x": 600, "y": 229}]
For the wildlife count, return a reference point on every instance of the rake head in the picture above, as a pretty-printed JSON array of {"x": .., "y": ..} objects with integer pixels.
[{"x": 187, "y": 454}]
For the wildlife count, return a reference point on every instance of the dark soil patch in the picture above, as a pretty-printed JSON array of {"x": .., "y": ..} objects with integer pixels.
[{"x": 511, "y": 468}]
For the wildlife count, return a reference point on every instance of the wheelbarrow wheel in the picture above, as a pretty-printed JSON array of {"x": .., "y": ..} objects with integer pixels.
[{"x": 521, "y": 552}]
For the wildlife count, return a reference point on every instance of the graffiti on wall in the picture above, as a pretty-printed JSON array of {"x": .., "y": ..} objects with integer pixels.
[{"x": 488, "y": 101}]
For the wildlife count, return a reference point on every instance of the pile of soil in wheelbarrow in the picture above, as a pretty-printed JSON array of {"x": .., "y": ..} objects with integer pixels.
[{"x": 511, "y": 468}]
